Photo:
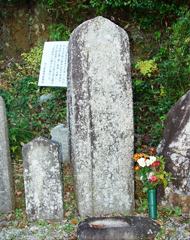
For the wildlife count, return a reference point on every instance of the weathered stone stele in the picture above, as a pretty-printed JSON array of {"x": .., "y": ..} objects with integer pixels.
[
  {"x": 175, "y": 147},
  {"x": 42, "y": 180},
  {"x": 100, "y": 115},
  {"x": 60, "y": 134},
  {"x": 7, "y": 200}
]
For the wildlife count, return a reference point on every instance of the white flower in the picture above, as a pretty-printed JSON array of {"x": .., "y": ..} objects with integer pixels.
[
  {"x": 142, "y": 162},
  {"x": 152, "y": 159},
  {"x": 148, "y": 162}
]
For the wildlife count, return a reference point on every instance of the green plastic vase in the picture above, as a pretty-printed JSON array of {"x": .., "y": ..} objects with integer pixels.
[{"x": 152, "y": 203}]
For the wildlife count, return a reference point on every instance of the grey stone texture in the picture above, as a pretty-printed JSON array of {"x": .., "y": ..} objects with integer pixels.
[
  {"x": 43, "y": 180},
  {"x": 60, "y": 134},
  {"x": 45, "y": 98},
  {"x": 100, "y": 116},
  {"x": 117, "y": 228},
  {"x": 7, "y": 200},
  {"x": 175, "y": 147}
]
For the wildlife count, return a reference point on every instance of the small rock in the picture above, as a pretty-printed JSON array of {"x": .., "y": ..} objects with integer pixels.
[
  {"x": 44, "y": 98},
  {"x": 15, "y": 223}
]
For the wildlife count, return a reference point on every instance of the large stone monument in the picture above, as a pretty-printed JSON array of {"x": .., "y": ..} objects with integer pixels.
[
  {"x": 175, "y": 147},
  {"x": 100, "y": 115},
  {"x": 7, "y": 200},
  {"x": 43, "y": 180}
]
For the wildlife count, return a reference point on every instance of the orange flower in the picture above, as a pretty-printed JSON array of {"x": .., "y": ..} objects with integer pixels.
[
  {"x": 139, "y": 155},
  {"x": 145, "y": 155},
  {"x": 137, "y": 168},
  {"x": 136, "y": 157},
  {"x": 152, "y": 151}
]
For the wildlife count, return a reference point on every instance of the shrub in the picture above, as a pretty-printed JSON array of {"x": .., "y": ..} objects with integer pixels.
[
  {"x": 58, "y": 32},
  {"x": 27, "y": 117},
  {"x": 175, "y": 68},
  {"x": 158, "y": 83},
  {"x": 147, "y": 13},
  {"x": 150, "y": 105}
]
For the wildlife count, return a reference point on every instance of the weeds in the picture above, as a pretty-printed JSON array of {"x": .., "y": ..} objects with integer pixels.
[
  {"x": 68, "y": 228},
  {"x": 27, "y": 117},
  {"x": 143, "y": 206}
]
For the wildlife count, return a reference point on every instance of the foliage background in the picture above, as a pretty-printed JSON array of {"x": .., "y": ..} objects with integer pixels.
[{"x": 159, "y": 79}]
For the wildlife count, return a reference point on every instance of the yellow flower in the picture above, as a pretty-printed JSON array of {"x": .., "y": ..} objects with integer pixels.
[{"x": 137, "y": 168}]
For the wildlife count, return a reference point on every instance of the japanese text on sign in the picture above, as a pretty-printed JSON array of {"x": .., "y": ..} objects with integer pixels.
[{"x": 53, "y": 71}]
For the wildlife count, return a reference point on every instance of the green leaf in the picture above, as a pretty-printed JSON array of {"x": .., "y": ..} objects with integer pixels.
[
  {"x": 165, "y": 182},
  {"x": 145, "y": 189}
]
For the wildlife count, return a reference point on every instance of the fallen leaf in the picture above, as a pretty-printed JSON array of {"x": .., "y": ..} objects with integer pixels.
[
  {"x": 136, "y": 213},
  {"x": 20, "y": 165},
  {"x": 171, "y": 231},
  {"x": 18, "y": 193},
  {"x": 9, "y": 217},
  {"x": 126, "y": 26},
  {"x": 74, "y": 221},
  {"x": 98, "y": 226},
  {"x": 178, "y": 218},
  {"x": 159, "y": 222},
  {"x": 22, "y": 225},
  {"x": 163, "y": 213},
  {"x": 144, "y": 146},
  {"x": 72, "y": 238},
  {"x": 67, "y": 214},
  {"x": 186, "y": 231},
  {"x": 30, "y": 106}
]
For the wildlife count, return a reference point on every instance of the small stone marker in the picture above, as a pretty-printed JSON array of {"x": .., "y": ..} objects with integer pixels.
[
  {"x": 7, "y": 200},
  {"x": 43, "y": 180},
  {"x": 100, "y": 115},
  {"x": 60, "y": 134}
]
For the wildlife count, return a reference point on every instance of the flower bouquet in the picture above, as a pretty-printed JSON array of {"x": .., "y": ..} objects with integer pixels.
[{"x": 151, "y": 171}]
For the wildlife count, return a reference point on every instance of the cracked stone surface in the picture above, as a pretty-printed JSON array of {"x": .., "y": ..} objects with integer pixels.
[
  {"x": 42, "y": 180},
  {"x": 7, "y": 199},
  {"x": 175, "y": 147},
  {"x": 100, "y": 115}
]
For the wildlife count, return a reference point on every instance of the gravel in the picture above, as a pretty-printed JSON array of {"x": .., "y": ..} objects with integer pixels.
[
  {"x": 35, "y": 231},
  {"x": 174, "y": 228}
]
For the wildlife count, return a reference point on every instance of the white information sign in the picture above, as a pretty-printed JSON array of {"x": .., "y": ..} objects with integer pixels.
[{"x": 53, "y": 71}]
